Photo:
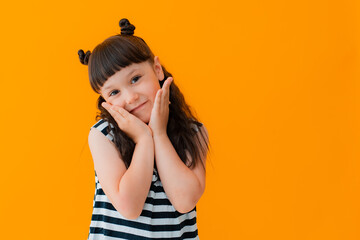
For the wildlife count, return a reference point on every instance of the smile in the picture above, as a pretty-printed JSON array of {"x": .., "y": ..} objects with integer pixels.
[{"x": 138, "y": 107}]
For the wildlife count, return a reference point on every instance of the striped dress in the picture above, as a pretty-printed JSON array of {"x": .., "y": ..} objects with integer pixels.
[{"x": 158, "y": 219}]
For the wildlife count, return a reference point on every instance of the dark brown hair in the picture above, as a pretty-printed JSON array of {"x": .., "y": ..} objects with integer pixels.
[{"x": 120, "y": 51}]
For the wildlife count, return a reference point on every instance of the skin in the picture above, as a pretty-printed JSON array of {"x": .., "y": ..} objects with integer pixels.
[
  {"x": 124, "y": 92},
  {"x": 147, "y": 127}
]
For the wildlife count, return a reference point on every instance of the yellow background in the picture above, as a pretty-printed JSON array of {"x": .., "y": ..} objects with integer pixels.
[{"x": 275, "y": 82}]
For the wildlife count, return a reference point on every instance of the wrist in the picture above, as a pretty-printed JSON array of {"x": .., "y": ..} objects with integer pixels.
[
  {"x": 144, "y": 138},
  {"x": 160, "y": 135}
]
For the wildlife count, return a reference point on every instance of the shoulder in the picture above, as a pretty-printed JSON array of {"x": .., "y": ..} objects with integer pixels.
[
  {"x": 101, "y": 144},
  {"x": 102, "y": 126}
]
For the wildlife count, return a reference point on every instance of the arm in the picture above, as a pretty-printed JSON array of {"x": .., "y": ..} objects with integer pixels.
[
  {"x": 183, "y": 186},
  {"x": 124, "y": 188}
]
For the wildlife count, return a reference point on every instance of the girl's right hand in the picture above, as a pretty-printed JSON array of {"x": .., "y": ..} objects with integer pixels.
[{"x": 128, "y": 123}]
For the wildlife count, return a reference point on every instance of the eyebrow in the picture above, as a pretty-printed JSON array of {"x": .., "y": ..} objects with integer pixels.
[{"x": 127, "y": 75}]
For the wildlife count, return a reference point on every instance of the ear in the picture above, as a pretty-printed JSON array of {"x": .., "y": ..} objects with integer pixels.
[{"x": 158, "y": 69}]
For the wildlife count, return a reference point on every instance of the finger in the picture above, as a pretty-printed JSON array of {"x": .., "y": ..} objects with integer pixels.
[
  {"x": 157, "y": 100},
  {"x": 106, "y": 105},
  {"x": 170, "y": 81},
  {"x": 116, "y": 115},
  {"x": 167, "y": 89},
  {"x": 121, "y": 111},
  {"x": 167, "y": 83}
]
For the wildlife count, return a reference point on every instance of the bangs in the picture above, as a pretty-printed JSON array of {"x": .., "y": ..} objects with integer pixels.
[{"x": 112, "y": 55}]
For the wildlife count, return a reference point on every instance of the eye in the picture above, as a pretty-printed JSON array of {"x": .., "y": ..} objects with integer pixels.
[
  {"x": 133, "y": 80},
  {"x": 115, "y": 91},
  {"x": 136, "y": 78}
]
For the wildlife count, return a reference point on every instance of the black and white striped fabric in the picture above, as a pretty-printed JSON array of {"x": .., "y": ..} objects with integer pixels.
[{"x": 158, "y": 220}]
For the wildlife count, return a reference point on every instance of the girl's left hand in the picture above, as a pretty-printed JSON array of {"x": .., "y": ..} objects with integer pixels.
[{"x": 160, "y": 111}]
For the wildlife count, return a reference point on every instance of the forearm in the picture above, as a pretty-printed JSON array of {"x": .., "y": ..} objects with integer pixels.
[
  {"x": 135, "y": 183},
  {"x": 180, "y": 184}
]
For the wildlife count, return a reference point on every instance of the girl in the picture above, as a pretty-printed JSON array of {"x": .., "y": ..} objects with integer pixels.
[{"x": 148, "y": 148}]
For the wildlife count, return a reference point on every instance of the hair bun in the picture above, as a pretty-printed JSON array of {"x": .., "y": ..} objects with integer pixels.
[
  {"x": 126, "y": 27},
  {"x": 84, "y": 57}
]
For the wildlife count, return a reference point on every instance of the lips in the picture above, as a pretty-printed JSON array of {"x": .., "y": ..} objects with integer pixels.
[{"x": 138, "y": 107}]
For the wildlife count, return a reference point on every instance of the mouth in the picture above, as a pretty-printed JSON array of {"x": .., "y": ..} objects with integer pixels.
[{"x": 138, "y": 107}]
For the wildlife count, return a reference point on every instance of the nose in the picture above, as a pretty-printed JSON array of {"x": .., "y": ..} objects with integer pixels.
[{"x": 131, "y": 97}]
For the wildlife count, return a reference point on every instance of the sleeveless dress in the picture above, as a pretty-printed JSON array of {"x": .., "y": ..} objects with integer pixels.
[{"x": 158, "y": 219}]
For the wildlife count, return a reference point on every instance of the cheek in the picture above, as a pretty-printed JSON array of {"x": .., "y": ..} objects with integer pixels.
[
  {"x": 153, "y": 95},
  {"x": 153, "y": 90},
  {"x": 117, "y": 102}
]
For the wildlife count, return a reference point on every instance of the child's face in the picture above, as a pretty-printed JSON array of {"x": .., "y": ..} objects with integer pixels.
[{"x": 134, "y": 86}]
